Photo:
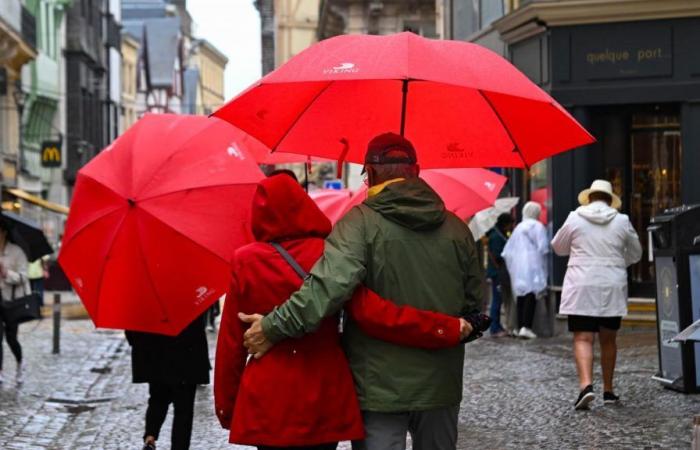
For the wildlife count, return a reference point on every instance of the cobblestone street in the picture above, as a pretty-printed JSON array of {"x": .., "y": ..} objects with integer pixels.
[{"x": 517, "y": 395}]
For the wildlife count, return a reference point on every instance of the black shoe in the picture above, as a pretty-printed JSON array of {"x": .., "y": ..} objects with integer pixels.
[
  {"x": 610, "y": 398},
  {"x": 585, "y": 398},
  {"x": 149, "y": 446}
]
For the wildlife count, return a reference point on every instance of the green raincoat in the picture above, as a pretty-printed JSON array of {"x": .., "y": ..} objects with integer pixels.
[{"x": 404, "y": 245}]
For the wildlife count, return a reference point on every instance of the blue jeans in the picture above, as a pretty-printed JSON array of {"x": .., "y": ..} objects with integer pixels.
[{"x": 496, "y": 301}]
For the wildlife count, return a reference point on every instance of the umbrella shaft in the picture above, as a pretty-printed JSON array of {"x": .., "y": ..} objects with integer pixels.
[{"x": 404, "y": 94}]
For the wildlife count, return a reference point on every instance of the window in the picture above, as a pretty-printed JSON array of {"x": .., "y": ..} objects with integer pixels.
[{"x": 489, "y": 11}]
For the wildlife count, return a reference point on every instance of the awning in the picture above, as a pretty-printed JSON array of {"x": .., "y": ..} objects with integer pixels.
[{"x": 24, "y": 195}]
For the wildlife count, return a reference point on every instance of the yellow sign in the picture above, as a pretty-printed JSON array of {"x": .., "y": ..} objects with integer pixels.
[{"x": 51, "y": 154}]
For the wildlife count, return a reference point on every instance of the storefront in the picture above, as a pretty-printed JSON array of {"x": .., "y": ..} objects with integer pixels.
[{"x": 636, "y": 87}]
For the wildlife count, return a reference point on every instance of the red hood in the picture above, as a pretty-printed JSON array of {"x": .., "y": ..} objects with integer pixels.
[{"x": 282, "y": 211}]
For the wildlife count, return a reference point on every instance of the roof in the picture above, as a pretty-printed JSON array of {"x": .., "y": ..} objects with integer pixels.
[
  {"x": 162, "y": 48},
  {"x": 215, "y": 51}
]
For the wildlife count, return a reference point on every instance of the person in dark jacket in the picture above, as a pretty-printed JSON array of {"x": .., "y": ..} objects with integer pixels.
[
  {"x": 172, "y": 366},
  {"x": 496, "y": 270}
]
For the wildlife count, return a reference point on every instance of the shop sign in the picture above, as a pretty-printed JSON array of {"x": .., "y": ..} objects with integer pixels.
[
  {"x": 623, "y": 51},
  {"x": 51, "y": 154}
]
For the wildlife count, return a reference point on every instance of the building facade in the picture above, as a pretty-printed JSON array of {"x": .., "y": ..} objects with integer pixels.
[
  {"x": 629, "y": 72},
  {"x": 130, "y": 77},
  {"x": 17, "y": 48},
  {"x": 210, "y": 64},
  {"x": 92, "y": 81}
]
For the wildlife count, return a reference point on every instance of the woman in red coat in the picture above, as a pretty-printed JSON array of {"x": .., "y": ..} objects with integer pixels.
[{"x": 301, "y": 394}]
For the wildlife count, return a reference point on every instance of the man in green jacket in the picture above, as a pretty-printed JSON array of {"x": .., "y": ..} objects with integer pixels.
[{"x": 403, "y": 244}]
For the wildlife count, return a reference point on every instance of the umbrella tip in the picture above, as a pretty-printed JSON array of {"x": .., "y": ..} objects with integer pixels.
[{"x": 131, "y": 202}]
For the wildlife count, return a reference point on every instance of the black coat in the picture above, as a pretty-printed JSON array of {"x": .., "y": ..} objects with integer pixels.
[{"x": 174, "y": 360}]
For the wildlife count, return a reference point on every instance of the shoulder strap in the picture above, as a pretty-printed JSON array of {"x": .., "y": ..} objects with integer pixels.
[{"x": 290, "y": 260}]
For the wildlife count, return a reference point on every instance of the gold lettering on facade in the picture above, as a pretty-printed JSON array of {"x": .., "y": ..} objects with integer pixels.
[{"x": 616, "y": 56}]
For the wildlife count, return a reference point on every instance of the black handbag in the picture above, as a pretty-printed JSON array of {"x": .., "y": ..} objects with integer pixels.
[{"x": 22, "y": 309}]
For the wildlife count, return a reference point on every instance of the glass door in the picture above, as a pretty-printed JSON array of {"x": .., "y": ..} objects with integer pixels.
[{"x": 655, "y": 181}]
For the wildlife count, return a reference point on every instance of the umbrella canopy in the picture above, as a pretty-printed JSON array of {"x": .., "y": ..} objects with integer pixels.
[
  {"x": 155, "y": 220},
  {"x": 28, "y": 235},
  {"x": 460, "y": 104},
  {"x": 334, "y": 202},
  {"x": 486, "y": 219},
  {"x": 464, "y": 191}
]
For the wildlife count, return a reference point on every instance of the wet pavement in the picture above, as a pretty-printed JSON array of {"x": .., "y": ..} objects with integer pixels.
[{"x": 518, "y": 394}]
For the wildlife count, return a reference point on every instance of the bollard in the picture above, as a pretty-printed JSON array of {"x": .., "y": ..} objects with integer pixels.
[
  {"x": 695, "y": 443},
  {"x": 56, "y": 324}
]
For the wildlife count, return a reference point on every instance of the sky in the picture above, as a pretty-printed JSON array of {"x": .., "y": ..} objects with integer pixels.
[{"x": 233, "y": 26}]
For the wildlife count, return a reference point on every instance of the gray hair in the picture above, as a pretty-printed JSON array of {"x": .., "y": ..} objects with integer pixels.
[{"x": 384, "y": 172}]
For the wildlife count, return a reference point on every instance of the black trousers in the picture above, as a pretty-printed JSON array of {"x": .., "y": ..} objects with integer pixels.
[
  {"x": 9, "y": 331},
  {"x": 182, "y": 398},
  {"x": 526, "y": 310},
  {"x": 331, "y": 446}
]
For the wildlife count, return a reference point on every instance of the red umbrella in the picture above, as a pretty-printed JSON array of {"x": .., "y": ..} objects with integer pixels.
[
  {"x": 154, "y": 222},
  {"x": 460, "y": 104},
  {"x": 464, "y": 191},
  {"x": 334, "y": 202}
]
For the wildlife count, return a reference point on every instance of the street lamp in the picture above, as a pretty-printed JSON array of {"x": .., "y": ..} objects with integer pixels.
[{"x": 20, "y": 98}]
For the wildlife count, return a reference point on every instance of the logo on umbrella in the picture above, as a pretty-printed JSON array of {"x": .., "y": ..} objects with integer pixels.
[
  {"x": 489, "y": 185},
  {"x": 454, "y": 151},
  {"x": 346, "y": 67},
  {"x": 202, "y": 294},
  {"x": 233, "y": 151}
]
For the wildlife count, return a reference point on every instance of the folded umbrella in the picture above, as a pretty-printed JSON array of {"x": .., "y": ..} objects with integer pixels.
[
  {"x": 460, "y": 104},
  {"x": 28, "y": 235},
  {"x": 155, "y": 220}
]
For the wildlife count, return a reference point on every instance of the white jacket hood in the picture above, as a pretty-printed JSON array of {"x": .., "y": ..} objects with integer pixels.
[{"x": 597, "y": 212}]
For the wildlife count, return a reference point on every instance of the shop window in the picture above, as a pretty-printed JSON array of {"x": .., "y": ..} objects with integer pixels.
[{"x": 656, "y": 176}]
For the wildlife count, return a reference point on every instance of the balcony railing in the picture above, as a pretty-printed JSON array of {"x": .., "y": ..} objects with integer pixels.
[{"x": 28, "y": 27}]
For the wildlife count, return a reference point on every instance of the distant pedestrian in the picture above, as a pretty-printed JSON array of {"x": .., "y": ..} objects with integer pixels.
[
  {"x": 172, "y": 366},
  {"x": 211, "y": 314},
  {"x": 497, "y": 271},
  {"x": 525, "y": 256},
  {"x": 37, "y": 272},
  {"x": 601, "y": 243},
  {"x": 13, "y": 283}
]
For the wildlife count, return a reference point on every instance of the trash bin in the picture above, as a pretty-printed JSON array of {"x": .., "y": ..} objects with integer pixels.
[{"x": 674, "y": 240}]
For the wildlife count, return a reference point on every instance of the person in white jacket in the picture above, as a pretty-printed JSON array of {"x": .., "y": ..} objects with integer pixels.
[
  {"x": 601, "y": 243},
  {"x": 525, "y": 256}
]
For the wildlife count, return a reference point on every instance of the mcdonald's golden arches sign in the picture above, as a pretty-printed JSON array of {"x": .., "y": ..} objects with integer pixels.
[{"x": 51, "y": 154}]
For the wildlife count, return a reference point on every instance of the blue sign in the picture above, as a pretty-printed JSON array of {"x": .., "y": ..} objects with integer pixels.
[{"x": 333, "y": 184}]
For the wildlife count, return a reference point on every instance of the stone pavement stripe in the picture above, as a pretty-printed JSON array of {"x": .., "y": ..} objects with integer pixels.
[{"x": 517, "y": 394}]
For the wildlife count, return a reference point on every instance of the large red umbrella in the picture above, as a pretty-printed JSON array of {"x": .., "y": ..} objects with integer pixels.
[
  {"x": 460, "y": 104},
  {"x": 464, "y": 191},
  {"x": 154, "y": 222}
]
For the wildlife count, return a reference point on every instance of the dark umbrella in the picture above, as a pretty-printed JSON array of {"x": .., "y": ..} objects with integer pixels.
[{"x": 28, "y": 235}]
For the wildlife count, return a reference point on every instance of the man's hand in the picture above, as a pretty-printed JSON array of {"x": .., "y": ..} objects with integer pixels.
[
  {"x": 465, "y": 328},
  {"x": 254, "y": 339}
]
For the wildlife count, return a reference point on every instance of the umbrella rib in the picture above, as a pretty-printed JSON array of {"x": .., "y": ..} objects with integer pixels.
[
  {"x": 163, "y": 194},
  {"x": 184, "y": 235},
  {"x": 505, "y": 127},
  {"x": 299, "y": 116},
  {"x": 104, "y": 267},
  {"x": 164, "y": 311}
]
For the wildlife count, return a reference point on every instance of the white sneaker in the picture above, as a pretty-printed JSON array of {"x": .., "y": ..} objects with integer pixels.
[
  {"x": 19, "y": 376},
  {"x": 527, "y": 333}
]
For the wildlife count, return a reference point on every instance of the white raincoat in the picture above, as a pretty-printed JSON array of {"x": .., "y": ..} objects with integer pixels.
[
  {"x": 525, "y": 254},
  {"x": 601, "y": 244}
]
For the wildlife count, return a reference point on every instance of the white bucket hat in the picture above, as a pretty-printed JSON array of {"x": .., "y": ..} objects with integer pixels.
[{"x": 599, "y": 186}]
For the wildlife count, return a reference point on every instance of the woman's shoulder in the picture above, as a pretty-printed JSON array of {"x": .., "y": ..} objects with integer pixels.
[{"x": 14, "y": 250}]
